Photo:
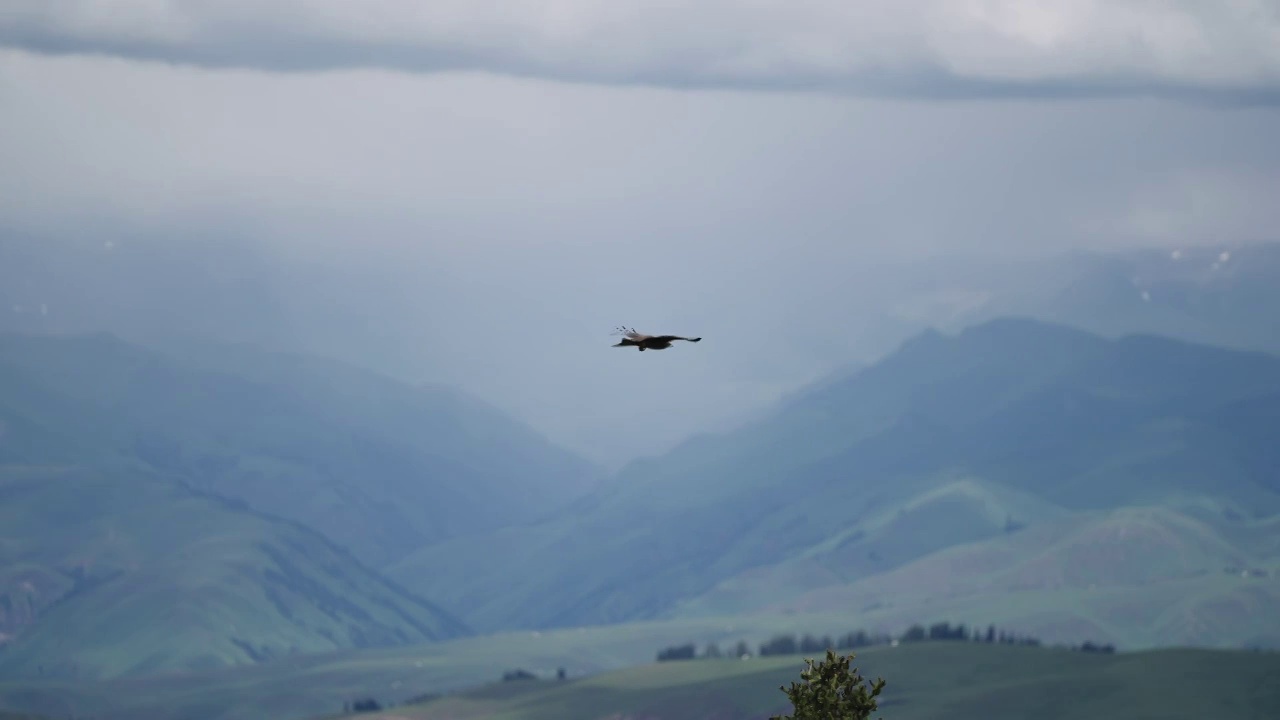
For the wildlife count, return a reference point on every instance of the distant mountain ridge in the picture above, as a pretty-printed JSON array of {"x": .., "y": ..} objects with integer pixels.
[
  {"x": 157, "y": 290},
  {"x": 217, "y": 505},
  {"x": 379, "y": 466},
  {"x": 1221, "y": 295}
]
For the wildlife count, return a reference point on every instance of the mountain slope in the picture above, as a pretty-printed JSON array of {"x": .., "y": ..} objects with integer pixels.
[
  {"x": 1022, "y": 408},
  {"x": 1135, "y": 577},
  {"x": 121, "y": 571},
  {"x": 951, "y": 514},
  {"x": 378, "y": 466}
]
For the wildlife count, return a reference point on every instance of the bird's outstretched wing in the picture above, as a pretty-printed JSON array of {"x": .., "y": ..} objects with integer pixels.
[{"x": 630, "y": 333}]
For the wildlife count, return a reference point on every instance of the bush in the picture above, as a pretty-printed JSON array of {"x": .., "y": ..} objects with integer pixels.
[
  {"x": 831, "y": 690},
  {"x": 1091, "y": 647}
]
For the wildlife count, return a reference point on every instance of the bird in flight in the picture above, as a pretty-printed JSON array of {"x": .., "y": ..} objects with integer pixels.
[{"x": 642, "y": 342}]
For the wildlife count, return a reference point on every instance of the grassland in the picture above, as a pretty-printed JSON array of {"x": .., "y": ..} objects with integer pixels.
[
  {"x": 318, "y": 685},
  {"x": 955, "y": 681}
]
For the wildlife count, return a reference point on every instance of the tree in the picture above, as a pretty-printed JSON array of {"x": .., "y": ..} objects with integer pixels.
[
  {"x": 854, "y": 640},
  {"x": 780, "y": 645},
  {"x": 831, "y": 690},
  {"x": 678, "y": 652},
  {"x": 915, "y": 633},
  {"x": 811, "y": 644}
]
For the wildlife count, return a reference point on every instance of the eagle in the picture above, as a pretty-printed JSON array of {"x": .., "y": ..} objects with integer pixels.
[{"x": 643, "y": 342}]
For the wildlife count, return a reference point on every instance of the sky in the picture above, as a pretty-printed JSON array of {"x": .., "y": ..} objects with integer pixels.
[{"x": 478, "y": 194}]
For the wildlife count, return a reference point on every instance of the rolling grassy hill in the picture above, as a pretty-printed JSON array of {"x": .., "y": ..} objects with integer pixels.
[
  {"x": 120, "y": 571},
  {"x": 611, "y": 674},
  {"x": 318, "y": 683},
  {"x": 378, "y": 466},
  {"x": 949, "y": 441},
  {"x": 1137, "y": 577},
  {"x": 925, "y": 681},
  {"x": 954, "y": 513}
]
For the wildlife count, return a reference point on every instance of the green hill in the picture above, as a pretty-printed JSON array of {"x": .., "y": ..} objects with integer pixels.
[
  {"x": 317, "y": 683},
  {"x": 378, "y": 466},
  {"x": 116, "y": 571},
  {"x": 926, "y": 681},
  {"x": 1038, "y": 421},
  {"x": 1167, "y": 579},
  {"x": 955, "y": 513}
]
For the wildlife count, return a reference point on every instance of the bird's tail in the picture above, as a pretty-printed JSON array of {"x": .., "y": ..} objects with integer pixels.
[{"x": 625, "y": 343}]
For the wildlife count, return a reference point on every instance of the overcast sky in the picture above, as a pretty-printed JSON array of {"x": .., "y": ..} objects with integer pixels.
[{"x": 518, "y": 184}]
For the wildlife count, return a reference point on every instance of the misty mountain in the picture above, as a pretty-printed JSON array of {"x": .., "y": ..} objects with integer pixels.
[
  {"x": 378, "y": 466},
  {"x": 122, "y": 571},
  {"x": 950, "y": 440},
  {"x": 407, "y": 317},
  {"x": 1215, "y": 295}
]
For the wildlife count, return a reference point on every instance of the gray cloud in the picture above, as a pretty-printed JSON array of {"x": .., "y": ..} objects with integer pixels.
[{"x": 1225, "y": 51}]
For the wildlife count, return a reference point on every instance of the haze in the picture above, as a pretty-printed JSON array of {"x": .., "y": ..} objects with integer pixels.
[{"x": 450, "y": 197}]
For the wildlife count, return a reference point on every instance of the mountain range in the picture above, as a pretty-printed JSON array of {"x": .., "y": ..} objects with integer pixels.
[
  {"x": 178, "y": 511},
  {"x": 379, "y": 466},
  {"x": 414, "y": 321},
  {"x": 210, "y": 504},
  {"x": 1132, "y": 467}
]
